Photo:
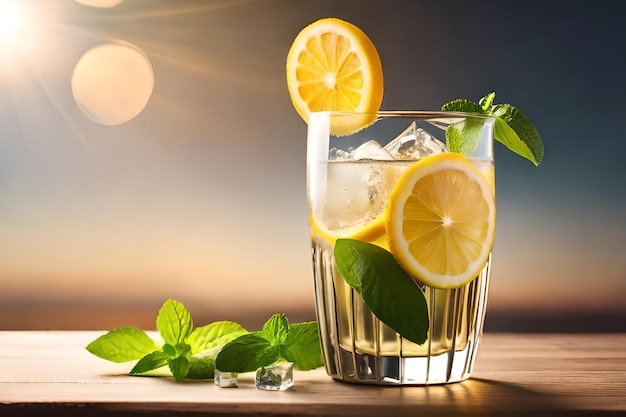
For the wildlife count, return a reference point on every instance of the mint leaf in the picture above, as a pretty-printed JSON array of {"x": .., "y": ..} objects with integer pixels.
[
  {"x": 174, "y": 322},
  {"x": 149, "y": 362},
  {"x": 487, "y": 101},
  {"x": 169, "y": 350},
  {"x": 240, "y": 355},
  {"x": 268, "y": 356},
  {"x": 352, "y": 263},
  {"x": 462, "y": 105},
  {"x": 178, "y": 359},
  {"x": 182, "y": 349},
  {"x": 122, "y": 345},
  {"x": 463, "y": 137},
  {"x": 275, "y": 328},
  {"x": 201, "y": 368},
  {"x": 298, "y": 343},
  {"x": 517, "y": 133},
  {"x": 391, "y": 294},
  {"x": 213, "y": 335},
  {"x": 302, "y": 346},
  {"x": 512, "y": 128},
  {"x": 193, "y": 353},
  {"x": 179, "y": 367},
  {"x": 206, "y": 342}
]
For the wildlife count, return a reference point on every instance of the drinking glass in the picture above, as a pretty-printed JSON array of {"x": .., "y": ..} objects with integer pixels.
[{"x": 348, "y": 180}]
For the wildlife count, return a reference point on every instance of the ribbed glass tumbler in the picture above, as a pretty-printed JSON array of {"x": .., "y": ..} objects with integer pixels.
[{"x": 349, "y": 180}]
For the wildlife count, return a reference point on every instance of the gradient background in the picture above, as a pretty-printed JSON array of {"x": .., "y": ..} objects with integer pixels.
[{"x": 201, "y": 197}]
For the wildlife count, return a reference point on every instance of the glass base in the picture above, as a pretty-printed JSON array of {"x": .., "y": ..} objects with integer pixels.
[
  {"x": 387, "y": 370},
  {"x": 358, "y": 348}
]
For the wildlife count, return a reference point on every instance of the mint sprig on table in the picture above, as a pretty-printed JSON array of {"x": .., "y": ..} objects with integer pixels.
[
  {"x": 191, "y": 353},
  {"x": 512, "y": 128},
  {"x": 278, "y": 340}
]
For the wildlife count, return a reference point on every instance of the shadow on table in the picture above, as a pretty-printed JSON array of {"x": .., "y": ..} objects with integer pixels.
[{"x": 474, "y": 397}]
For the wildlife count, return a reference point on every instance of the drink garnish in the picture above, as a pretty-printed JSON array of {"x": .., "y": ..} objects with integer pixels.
[
  {"x": 512, "y": 128},
  {"x": 441, "y": 217},
  {"x": 333, "y": 65},
  {"x": 192, "y": 353},
  {"x": 387, "y": 290}
]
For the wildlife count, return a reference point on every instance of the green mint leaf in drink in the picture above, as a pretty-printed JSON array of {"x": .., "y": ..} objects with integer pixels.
[
  {"x": 351, "y": 263},
  {"x": 213, "y": 335},
  {"x": 174, "y": 322},
  {"x": 179, "y": 367},
  {"x": 516, "y": 132},
  {"x": 149, "y": 362},
  {"x": 275, "y": 328},
  {"x": 463, "y": 137},
  {"x": 391, "y": 294},
  {"x": 302, "y": 346},
  {"x": 122, "y": 345},
  {"x": 512, "y": 128},
  {"x": 240, "y": 355}
]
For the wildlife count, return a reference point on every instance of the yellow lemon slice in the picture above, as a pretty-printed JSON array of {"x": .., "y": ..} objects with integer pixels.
[
  {"x": 373, "y": 232},
  {"x": 441, "y": 220},
  {"x": 333, "y": 65}
]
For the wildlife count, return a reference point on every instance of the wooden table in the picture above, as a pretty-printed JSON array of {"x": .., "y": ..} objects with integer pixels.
[{"x": 50, "y": 374}]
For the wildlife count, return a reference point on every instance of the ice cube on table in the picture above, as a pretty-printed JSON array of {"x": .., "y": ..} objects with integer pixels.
[
  {"x": 226, "y": 379},
  {"x": 276, "y": 377},
  {"x": 414, "y": 143}
]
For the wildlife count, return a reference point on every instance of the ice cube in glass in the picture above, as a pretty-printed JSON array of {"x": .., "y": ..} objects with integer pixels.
[{"x": 414, "y": 143}]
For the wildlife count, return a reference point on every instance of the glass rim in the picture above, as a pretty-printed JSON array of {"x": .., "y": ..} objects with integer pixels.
[{"x": 421, "y": 114}]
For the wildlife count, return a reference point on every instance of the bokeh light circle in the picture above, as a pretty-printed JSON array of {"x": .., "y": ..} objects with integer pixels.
[
  {"x": 102, "y": 4},
  {"x": 112, "y": 83}
]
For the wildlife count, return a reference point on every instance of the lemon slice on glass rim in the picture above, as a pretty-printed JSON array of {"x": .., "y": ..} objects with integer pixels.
[
  {"x": 441, "y": 220},
  {"x": 333, "y": 65}
]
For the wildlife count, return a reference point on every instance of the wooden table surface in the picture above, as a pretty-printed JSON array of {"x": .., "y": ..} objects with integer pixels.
[{"x": 51, "y": 374}]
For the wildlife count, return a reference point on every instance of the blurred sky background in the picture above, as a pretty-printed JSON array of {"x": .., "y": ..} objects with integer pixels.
[{"x": 182, "y": 175}]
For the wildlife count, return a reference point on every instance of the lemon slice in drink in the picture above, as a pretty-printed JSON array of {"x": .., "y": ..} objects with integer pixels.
[
  {"x": 353, "y": 201},
  {"x": 441, "y": 220},
  {"x": 373, "y": 232},
  {"x": 333, "y": 65}
]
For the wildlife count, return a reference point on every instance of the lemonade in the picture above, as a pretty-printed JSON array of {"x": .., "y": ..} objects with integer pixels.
[{"x": 349, "y": 198}]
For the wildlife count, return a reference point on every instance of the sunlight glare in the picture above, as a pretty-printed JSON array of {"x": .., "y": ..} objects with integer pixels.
[
  {"x": 12, "y": 23},
  {"x": 21, "y": 32}
]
